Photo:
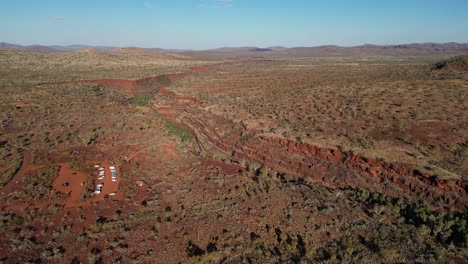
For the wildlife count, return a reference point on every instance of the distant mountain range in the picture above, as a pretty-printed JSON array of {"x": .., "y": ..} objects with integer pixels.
[
  {"x": 4, "y": 45},
  {"x": 329, "y": 50},
  {"x": 403, "y": 49}
]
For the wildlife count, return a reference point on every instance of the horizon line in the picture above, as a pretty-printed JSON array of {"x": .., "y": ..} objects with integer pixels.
[{"x": 223, "y": 47}]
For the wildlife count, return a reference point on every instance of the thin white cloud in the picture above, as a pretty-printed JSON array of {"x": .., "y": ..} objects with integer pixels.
[
  {"x": 149, "y": 5},
  {"x": 57, "y": 18},
  {"x": 213, "y": 5}
]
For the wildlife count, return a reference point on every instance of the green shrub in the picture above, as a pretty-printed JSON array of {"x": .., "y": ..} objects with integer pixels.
[
  {"x": 184, "y": 135},
  {"x": 446, "y": 227},
  {"x": 141, "y": 99},
  {"x": 12, "y": 169}
]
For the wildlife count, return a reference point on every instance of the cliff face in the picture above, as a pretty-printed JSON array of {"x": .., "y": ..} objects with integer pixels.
[{"x": 338, "y": 169}]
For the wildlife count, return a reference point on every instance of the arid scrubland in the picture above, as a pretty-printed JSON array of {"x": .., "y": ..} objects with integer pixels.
[{"x": 241, "y": 158}]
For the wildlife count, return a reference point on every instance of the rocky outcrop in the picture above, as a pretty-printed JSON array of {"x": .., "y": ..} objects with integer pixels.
[
  {"x": 456, "y": 67},
  {"x": 342, "y": 169},
  {"x": 133, "y": 87},
  {"x": 220, "y": 138}
]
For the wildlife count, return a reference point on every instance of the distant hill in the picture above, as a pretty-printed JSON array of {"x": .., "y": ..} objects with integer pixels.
[
  {"x": 4, "y": 45},
  {"x": 54, "y": 48},
  {"x": 415, "y": 49},
  {"x": 230, "y": 49},
  {"x": 389, "y": 50},
  {"x": 261, "y": 50},
  {"x": 277, "y": 48}
]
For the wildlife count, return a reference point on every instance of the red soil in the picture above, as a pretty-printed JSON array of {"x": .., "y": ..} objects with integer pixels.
[
  {"x": 199, "y": 70},
  {"x": 166, "y": 92},
  {"x": 76, "y": 181},
  {"x": 183, "y": 99},
  {"x": 76, "y": 186}
]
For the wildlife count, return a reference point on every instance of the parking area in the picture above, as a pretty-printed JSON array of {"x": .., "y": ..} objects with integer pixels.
[{"x": 107, "y": 179}]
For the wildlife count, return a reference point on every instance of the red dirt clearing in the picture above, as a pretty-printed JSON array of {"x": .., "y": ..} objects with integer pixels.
[{"x": 75, "y": 181}]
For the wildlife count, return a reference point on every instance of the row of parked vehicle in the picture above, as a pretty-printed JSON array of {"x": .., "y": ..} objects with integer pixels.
[
  {"x": 114, "y": 173},
  {"x": 102, "y": 175},
  {"x": 99, "y": 188}
]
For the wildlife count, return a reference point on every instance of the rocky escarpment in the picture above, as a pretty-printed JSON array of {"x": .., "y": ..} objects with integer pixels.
[
  {"x": 133, "y": 87},
  {"x": 344, "y": 169},
  {"x": 223, "y": 139}
]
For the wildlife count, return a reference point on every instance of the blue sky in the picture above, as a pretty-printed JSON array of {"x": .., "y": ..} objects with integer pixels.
[{"x": 202, "y": 24}]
